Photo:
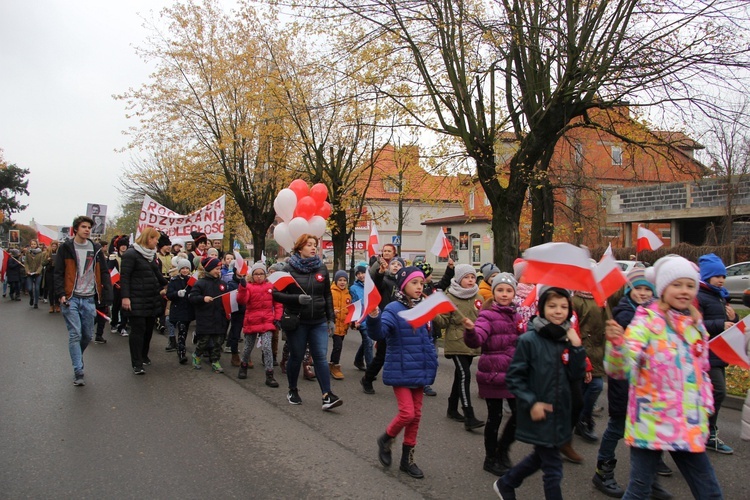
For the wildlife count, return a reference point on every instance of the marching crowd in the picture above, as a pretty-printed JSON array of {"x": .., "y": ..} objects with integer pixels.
[{"x": 543, "y": 352}]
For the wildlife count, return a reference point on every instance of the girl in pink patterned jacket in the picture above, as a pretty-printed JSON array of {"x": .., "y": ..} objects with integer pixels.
[{"x": 664, "y": 355}]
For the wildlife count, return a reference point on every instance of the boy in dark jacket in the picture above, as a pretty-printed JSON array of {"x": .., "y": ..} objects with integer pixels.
[
  {"x": 717, "y": 316},
  {"x": 548, "y": 358},
  {"x": 210, "y": 319},
  {"x": 181, "y": 310}
]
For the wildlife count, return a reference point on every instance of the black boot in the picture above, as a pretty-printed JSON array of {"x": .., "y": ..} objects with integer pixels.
[
  {"x": 270, "y": 381},
  {"x": 243, "y": 371},
  {"x": 384, "y": 449},
  {"x": 471, "y": 422},
  {"x": 453, "y": 412},
  {"x": 407, "y": 462},
  {"x": 492, "y": 465},
  {"x": 585, "y": 429},
  {"x": 503, "y": 458},
  {"x": 181, "y": 357},
  {"x": 171, "y": 345},
  {"x": 604, "y": 479}
]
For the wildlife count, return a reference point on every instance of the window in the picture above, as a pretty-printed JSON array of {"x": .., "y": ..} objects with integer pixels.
[
  {"x": 471, "y": 200},
  {"x": 610, "y": 232},
  {"x": 486, "y": 201},
  {"x": 616, "y": 155},
  {"x": 578, "y": 154},
  {"x": 390, "y": 186},
  {"x": 666, "y": 233}
]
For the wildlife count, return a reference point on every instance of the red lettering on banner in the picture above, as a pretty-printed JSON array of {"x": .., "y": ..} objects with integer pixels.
[
  {"x": 152, "y": 219},
  {"x": 151, "y": 206}
]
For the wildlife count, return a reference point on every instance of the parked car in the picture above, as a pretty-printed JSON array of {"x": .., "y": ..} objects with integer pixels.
[
  {"x": 627, "y": 265},
  {"x": 738, "y": 280},
  {"x": 746, "y": 298}
]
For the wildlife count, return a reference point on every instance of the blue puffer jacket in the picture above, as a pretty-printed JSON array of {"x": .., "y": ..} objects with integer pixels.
[{"x": 411, "y": 359}]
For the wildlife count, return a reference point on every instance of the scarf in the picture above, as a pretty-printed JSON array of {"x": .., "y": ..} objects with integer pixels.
[
  {"x": 544, "y": 328},
  {"x": 722, "y": 292},
  {"x": 402, "y": 298},
  {"x": 147, "y": 254},
  {"x": 306, "y": 265},
  {"x": 462, "y": 293}
]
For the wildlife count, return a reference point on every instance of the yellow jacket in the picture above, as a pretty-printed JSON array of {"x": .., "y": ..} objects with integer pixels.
[{"x": 341, "y": 301}]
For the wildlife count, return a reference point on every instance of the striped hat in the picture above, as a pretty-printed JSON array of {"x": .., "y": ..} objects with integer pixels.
[{"x": 637, "y": 277}]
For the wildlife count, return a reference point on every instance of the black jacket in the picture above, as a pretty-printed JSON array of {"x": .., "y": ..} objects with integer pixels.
[
  {"x": 713, "y": 307},
  {"x": 210, "y": 317},
  {"x": 316, "y": 284},
  {"x": 539, "y": 374},
  {"x": 13, "y": 273},
  {"x": 617, "y": 390},
  {"x": 386, "y": 285},
  {"x": 141, "y": 282},
  {"x": 180, "y": 309}
]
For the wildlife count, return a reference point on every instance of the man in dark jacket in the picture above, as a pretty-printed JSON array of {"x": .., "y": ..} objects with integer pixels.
[
  {"x": 81, "y": 281},
  {"x": 210, "y": 318}
]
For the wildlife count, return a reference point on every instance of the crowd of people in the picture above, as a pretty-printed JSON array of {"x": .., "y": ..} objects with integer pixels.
[{"x": 543, "y": 352}]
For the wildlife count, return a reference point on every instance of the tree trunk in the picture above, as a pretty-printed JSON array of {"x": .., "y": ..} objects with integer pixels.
[
  {"x": 339, "y": 238},
  {"x": 259, "y": 241}
]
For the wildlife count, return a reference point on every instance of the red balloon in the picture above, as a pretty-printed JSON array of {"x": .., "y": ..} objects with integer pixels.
[
  {"x": 300, "y": 188},
  {"x": 305, "y": 208},
  {"x": 324, "y": 210},
  {"x": 319, "y": 192}
]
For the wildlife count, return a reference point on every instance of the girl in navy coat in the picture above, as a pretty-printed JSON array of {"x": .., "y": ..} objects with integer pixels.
[
  {"x": 496, "y": 331},
  {"x": 410, "y": 364}
]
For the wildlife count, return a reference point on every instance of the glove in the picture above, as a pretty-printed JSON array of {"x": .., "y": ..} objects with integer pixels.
[
  {"x": 181, "y": 293},
  {"x": 304, "y": 300},
  {"x": 331, "y": 328}
]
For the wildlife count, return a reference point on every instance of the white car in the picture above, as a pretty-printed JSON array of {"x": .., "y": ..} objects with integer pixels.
[
  {"x": 627, "y": 265},
  {"x": 738, "y": 280}
]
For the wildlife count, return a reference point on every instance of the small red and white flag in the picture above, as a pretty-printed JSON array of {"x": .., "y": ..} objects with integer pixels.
[
  {"x": 435, "y": 304},
  {"x": 361, "y": 308},
  {"x": 229, "y": 300},
  {"x": 531, "y": 297},
  {"x": 647, "y": 240},
  {"x": 114, "y": 275},
  {"x": 4, "y": 256},
  {"x": 192, "y": 279},
  {"x": 281, "y": 279},
  {"x": 240, "y": 264},
  {"x": 731, "y": 344},
  {"x": 608, "y": 251},
  {"x": 442, "y": 246},
  {"x": 106, "y": 318},
  {"x": 44, "y": 234},
  {"x": 560, "y": 265},
  {"x": 373, "y": 243},
  {"x": 609, "y": 278}
]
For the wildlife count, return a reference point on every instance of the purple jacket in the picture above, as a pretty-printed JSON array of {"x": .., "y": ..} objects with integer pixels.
[{"x": 496, "y": 331}]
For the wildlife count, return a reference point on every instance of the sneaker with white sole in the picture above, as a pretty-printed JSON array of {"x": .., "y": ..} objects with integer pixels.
[
  {"x": 331, "y": 401},
  {"x": 717, "y": 445},
  {"x": 293, "y": 397},
  {"x": 78, "y": 381}
]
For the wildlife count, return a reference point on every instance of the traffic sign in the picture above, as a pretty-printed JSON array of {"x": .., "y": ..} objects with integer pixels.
[{"x": 396, "y": 240}]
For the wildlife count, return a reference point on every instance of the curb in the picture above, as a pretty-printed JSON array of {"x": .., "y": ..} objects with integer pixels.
[{"x": 733, "y": 402}]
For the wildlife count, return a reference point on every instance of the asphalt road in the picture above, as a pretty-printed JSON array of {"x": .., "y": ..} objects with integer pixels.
[{"x": 181, "y": 433}]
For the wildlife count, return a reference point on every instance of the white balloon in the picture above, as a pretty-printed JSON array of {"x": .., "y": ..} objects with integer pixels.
[
  {"x": 317, "y": 226},
  {"x": 282, "y": 236},
  {"x": 285, "y": 203},
  {"x": 297, "y": 227}
]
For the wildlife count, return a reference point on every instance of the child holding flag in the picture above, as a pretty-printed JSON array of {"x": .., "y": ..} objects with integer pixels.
[
  {"x": 261, "y": 315},
  {"x": 664, "y": 355},
  {"x": 210, "y": 317},
  {"x": 341, "y": 301},
  {"x": 180, "y": 310},
  {"x": 496, "y": 332},
  {"x": 363, "y": 358},
  {"x": 548, "y": 359},
  {"x": 410, "y": 364}
]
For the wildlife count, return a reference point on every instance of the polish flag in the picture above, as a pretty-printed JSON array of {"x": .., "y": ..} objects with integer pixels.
[
  {"x": 106, "y": 318},
  {"x": 647, "y": 240},
  {"x": 192, "y": 279},
  {"x": 608, "y": 251},
  {"x": 373, "y": 243},
  {"x": 114, "y": 275},
  {"x": 559, "y": 264},
  {"x": 435, "y": 304},
  {"x": 731, "y": 344},
  {"x": 44, "y": 234},
  {"x": 241, "y": 265},
  {"x": 4, "y": 256},
  {"x": 361, "y": 308},
  {"x": 281, "y": 279},
  {"x": 609, "y": 278},
  {"x": 442, "y": 246},
  {"x": 229, "y": 300},
  {"x": 531, "y": 297}
]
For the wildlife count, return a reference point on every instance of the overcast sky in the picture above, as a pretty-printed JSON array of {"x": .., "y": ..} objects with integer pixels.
[{"x": 61, "y": 61}]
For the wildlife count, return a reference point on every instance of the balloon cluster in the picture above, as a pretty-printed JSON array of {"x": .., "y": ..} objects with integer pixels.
[{"x": 303, "y": 209}]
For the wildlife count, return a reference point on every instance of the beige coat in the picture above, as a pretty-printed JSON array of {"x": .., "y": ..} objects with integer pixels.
[{"x": 453, "y": 323}]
